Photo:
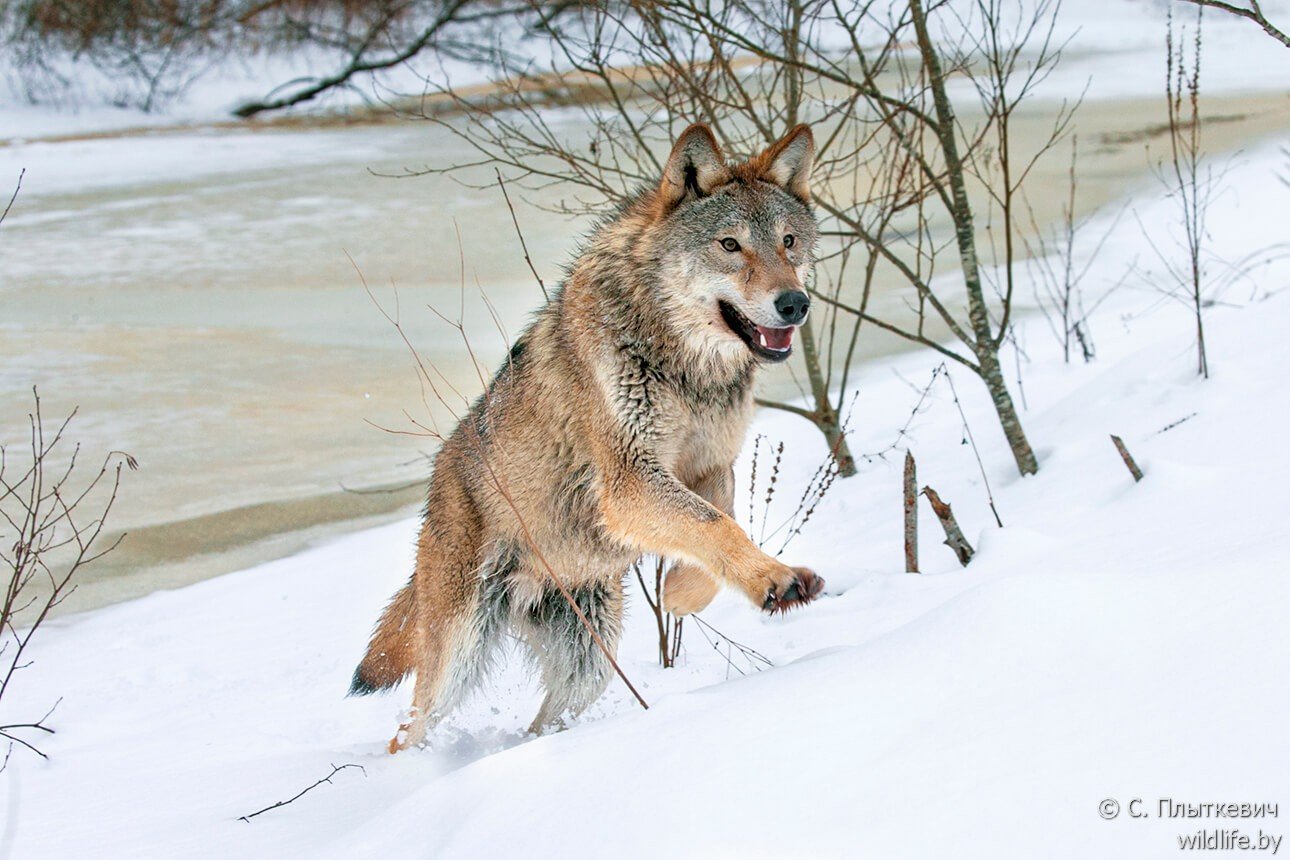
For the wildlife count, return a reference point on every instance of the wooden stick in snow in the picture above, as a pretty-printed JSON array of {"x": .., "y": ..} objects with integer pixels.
[
  {"x": 911, "y": 514},
  {"x": 954, "y": 538},
  {"x": 1129, "y": 462}
]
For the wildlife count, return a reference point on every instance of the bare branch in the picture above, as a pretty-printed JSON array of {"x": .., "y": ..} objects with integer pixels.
[
  {"x": 335, "y": 769},
  {"x": 1252, "y": 12},
  {"x": 17, "y": 187}
]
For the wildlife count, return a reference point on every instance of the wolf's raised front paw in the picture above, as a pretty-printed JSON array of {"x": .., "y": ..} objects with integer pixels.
[{"x": 804, "y": 587}]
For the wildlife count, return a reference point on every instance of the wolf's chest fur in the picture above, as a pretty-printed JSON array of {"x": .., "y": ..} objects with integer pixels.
[{"x": 691, "y": 417}]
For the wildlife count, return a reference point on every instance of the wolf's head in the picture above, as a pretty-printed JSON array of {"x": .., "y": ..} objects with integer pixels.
[{"x": 734, "y": 243}]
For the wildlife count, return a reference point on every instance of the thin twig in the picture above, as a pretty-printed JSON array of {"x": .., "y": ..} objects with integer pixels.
[
  {"x": 501, "y": 183},
  {"x": 335, "y": 769},
  {"x": 756, "y": 659},
  {"x": 13, "y": 196},
  {"x": 967, "y": 428}
]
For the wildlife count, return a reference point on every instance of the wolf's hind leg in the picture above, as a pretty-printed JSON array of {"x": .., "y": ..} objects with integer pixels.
[
  {"x": 575, "y": 672},
  {"x": 689, "y": 588},
  {"x": 460, "y": 638}
]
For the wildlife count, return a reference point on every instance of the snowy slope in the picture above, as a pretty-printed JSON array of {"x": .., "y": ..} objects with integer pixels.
[{"x": 1112, "y": 641}]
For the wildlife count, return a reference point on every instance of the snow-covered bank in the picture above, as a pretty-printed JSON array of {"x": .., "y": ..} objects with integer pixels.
[
  {"x": 96, "y": 103},
  {"x": 1114, "y": 640},
  {"x": 1114, "y": 49}
]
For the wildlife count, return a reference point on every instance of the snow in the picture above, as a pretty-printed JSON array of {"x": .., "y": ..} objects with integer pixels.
[
  {"x": 1116, "y": 49},
  {"x": 1113, "y": 640}
]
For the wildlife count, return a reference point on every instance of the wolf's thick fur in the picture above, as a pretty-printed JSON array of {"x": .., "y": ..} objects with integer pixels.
[{"x": 610, "y": 431}]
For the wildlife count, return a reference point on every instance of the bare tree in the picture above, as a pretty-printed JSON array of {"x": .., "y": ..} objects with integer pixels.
[
  {"x": 51, "y": 521},
  {"x": 899, "y": 173},
  {"x": 1251, "y": 10}
]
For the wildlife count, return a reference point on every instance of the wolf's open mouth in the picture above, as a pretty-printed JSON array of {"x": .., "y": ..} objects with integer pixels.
[{"x": 771, "y": 344}]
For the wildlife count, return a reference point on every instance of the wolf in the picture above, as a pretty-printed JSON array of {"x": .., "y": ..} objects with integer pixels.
[{"x": 610, "y": 432}]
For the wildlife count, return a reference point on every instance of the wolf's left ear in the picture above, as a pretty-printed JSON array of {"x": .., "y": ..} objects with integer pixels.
[
  {"x": 788, "y": 162},
  {"x": 696, "y": 166}
]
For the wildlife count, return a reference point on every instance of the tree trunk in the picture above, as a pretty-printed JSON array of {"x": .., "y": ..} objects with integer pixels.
[
  {"x": 986, "y": 346},
  {"x": 826, "y": 416},
  {"x": 992, "y": 375}
]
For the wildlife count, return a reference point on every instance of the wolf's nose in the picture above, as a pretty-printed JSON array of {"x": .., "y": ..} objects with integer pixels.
[{"x": 792, "y": 306}]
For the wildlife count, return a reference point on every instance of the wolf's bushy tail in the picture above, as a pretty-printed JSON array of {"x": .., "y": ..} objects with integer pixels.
[{"x": 390, "y": 654}]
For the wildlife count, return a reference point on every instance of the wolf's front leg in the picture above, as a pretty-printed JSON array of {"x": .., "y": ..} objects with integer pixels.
[{"x": 649, "y": 508}]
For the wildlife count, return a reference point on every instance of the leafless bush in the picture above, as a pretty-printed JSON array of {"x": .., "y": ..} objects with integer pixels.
[
  {"x": 1059, "y": 277},
  {"x": 669, "y": 626},
  {"x": 786, "y": 528},
  {"x": 1191, "y": 272},
  {"x": 51, "y": 520},
  {"x": 1189, "y": 182}
]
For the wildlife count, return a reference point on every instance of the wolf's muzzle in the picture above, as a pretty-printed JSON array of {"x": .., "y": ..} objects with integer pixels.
[{"x": 792, "y": 306}]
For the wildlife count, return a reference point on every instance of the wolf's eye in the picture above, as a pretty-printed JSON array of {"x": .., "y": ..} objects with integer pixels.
[
  {"x": 790, "y": 241},
  {"x": 730, "y": 244}
]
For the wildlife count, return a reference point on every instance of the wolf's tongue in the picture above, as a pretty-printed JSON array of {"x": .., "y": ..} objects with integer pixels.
[{"x": 778, "y": 339}]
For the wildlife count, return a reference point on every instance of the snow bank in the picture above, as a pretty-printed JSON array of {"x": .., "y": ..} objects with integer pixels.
[
  {"x": 1114, "y": 640},
  {"x": 1114, "y": 49}
]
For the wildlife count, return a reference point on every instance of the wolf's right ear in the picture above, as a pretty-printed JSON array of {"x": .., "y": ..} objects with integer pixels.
[{"x": 695, "y": 167}]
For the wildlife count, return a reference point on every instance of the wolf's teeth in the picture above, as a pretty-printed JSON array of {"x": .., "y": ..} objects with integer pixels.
[{"x": 761, "y": 340}]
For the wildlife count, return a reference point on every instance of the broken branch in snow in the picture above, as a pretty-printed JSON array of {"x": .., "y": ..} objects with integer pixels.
[
  {"x": 1129, "y": 462},
  {"x": 335, "y": 769},
  {"x": 954, "y": 538},
  {"x": 911, "y": 514}
]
